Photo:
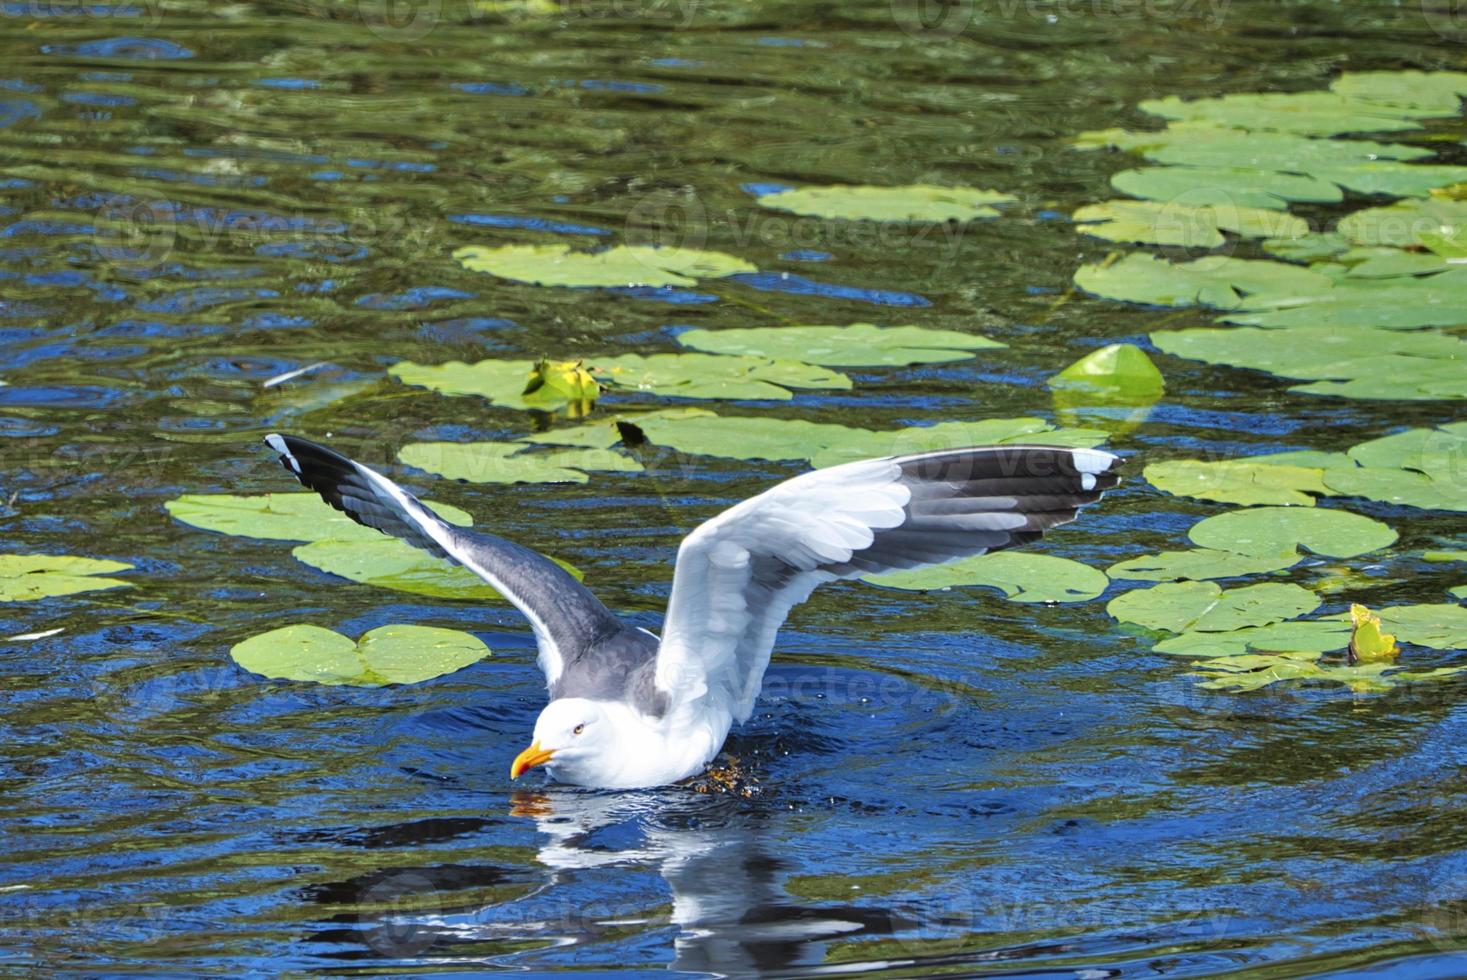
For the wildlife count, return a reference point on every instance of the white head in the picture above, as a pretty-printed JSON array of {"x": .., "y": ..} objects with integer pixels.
[{"x": 571, "y": 734}]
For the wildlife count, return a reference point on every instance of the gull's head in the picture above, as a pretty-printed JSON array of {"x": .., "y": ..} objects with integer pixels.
[{"x": 569, "y": 733}]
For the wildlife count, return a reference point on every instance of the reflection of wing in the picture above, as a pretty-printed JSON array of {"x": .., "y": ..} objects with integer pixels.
[
  {"x": 734, "y": 918},
  {"x": 739, "y": 574},
  {"x": 564, "y": 613}
]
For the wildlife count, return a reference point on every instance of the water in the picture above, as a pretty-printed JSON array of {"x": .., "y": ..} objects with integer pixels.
[{"x": 199, "y": 197}]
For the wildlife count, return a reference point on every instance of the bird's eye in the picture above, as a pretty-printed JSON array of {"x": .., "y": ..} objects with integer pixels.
[{"x": 578, "y": 729}]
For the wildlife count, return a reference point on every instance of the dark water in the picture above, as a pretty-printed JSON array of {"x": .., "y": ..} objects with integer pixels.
[{"x": 198, "y": 197}]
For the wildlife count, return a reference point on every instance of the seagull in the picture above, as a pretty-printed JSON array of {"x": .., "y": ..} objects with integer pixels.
[{"x": 628, "y": 710}]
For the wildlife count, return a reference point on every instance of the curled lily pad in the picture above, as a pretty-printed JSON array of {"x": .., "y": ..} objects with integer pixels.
[
  {"x": 282, "y": 516},
  {"x": 623, "y": 265},
  {"x": 692, "y": 375},
  {"x": 1206, "y": 607},
  {"x": 1188, "y": 225},
  {"x": 27, "y": 577},
  {"x": 1020, "y": 576},
  {"x": 1238, "y": 481},
  {"x": 857, "y": 345},
  {"x": 508, "y": 462},
  {"x": 390, "y": 563},
  {"x": 1120, "y": 368},
  {"x": 1270, "y": 530},
  {"x": 1368, "y": 642},
  {"x": 1199, "y": 564},
  {"x": 386, "y": 655},
  {"x": 914, "y": 202}
]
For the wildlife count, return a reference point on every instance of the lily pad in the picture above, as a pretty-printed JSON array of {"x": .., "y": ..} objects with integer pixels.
[
  {"x": 1206, "y": 607},
  {"x": 1370, "y": 364},
  {"x": 1020, "y": 576},
  {"x": 857, "y": 345},
  {"x": 668, "y": 375},
  {"x": 1113, "y": 368},
  {"x": 914, "y": 202},
  {"x": 1252, "y": 188},
  {"x": 386, "y": 655},
  {"x": 1317, "y": 635},
  {"x": 826, "y": 444},
  {"x": 1270, "y": 530},
  {"x": 1304, "y": 113},
  {"x": 622, "y": 265},
  {"x": 1419, "y": 468},
  {"x": 393, "y": 564},
  {"x": 1440, "y": 626},
  {"x": 508, "y": 462},
  {"x": 282, "y": 516},
  {"x": 1238, "y": 481},
  {"x": 1191, "y": 226},
  {"x": 1199, "y": 564},
  {"x": 27, "y": 577},
  {"x": 1250, "y": 672},
  {"x": 1401, "y": 224},
  {"x": 1368, "y": 642},
  {"x": 1219, "y": 281}
]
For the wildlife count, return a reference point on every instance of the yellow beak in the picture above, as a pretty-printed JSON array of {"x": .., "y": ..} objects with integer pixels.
[{"x": 529, "y": 759}]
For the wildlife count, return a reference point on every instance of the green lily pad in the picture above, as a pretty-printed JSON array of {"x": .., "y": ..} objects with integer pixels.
[
  {"x": 282, "y": 516},
  {"x": 1020, "y": 576},
  {"x": 1459, "y": 591},
  {"x": 386, "y": 655},
  {"x": 915, "y": 202},
  {"x": 857, "y": 345},
  {"x": 1439, "y": 93},
  {"x": 1316, "y": 635},
  {"x": 1403, "y": 303},
  {"x": 605, "y": 431},
  {"x": 1440, "y": 626},
  {"x": 1373, "y": 364},
  {"x": 27, "y": 577},
  {"x": 1250, "y": 188},
  {"x": 1270, "y": 530},
  {"x": 1251, "y": 672},
  {"x": 1219, "y": 281},
  {"x": 1199, "y": 564},
  {"x": 1429, "y": 491},
  {"x": 1313, "y": 247},
  {"x": 1400, "y": 224},
  {"x": 1113, "y": 368},
  {"x": 623, "y": 265},
  {"x": 826, "y": 444},
  {"x": 1440, "y": 556},
  {"x": 1303, "y": 113},
  {"x": 1206, "y": 607},
  {"x": 1238, "y": 481},
  {"x": 508, "y": 462},
  {"x": 1419, "y": 468},
  {"x": 393, "y": 564},
  {"x": 1169, "y": 223},
  {"x": 667, "y": 375}
]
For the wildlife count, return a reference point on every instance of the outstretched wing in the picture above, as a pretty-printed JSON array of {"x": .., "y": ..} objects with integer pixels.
[
  {"x": 564, "y": 614},
  {"x": 739, "y": 574}
]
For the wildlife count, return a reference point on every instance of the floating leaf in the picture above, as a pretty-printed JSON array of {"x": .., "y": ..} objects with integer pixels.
[
  {"x": 282, "y": 516},
  {"x": 1367, "y": 643},
  {"x": 386, "y": 655},
  {"x": 1375, "y": 364},
  {"x": 606, "y": 431},
  {"x": 914, "y": 202},
  {"x": 1247, "y": 187},
  {"x": 1444, "y": 555},
  {"x": 1269, "y": 530},
  {"x": 1113, "y": 368},
  {"x": 390, "y": 563},
  {"x": 1438, "y": 626},
  {"x": 857, "y": 345},
  {"x": 825, "y": 444},
  {"x": 1215, "y": 280},
  {"x": 508, "y": 462},
  {"x": 668, "y": 375},
  {"x": 1401, "y": 224},
  {"x": 1253, "y": 671},
  {"x": 1206, "y": 607},
  {"x": 27, "y": 577},
  {"x": 1460, "y": 591},
  {"x": 1199, "y": 564},
  {"x": 1304, "y": 113},
  {"x": 1021, "y": 576},
  {"x": 622, "y": 265},
  {"x": 1238, "y": 481},
  {"x": 1404, "y": 303},
  {"x": 566, "y": 381},
  {"x": 1419, "y": 467},
  {"x": 1317, "y": 635},
  {"x": 1156, "y": 223}
]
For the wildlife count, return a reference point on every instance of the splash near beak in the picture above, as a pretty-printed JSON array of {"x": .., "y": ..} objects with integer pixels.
[{"x": 529, "y": 759}]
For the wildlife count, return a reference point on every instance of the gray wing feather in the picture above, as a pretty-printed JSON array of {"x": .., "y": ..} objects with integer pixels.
[{"x": 568, "y": 620}]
